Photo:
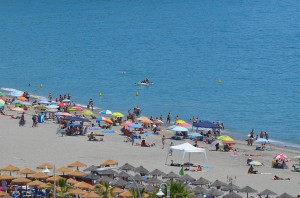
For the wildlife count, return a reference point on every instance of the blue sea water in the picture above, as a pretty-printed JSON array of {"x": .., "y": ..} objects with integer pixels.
[{"x": 185, "y": 47}]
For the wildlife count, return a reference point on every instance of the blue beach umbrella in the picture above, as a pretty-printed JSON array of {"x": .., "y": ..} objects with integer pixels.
[
  {"x": 25, "y": 103},
  {"x": 95, "y": 128},
  {"x": 193, "y": 135},
  {"x": 52, "y": 107},
  {"x": 54, "y": 103},
  {"x": 16, "y": 102},
  {"x": 100, "y": 119},
  {"x": 43, "y": 102},
  {"x": 148, "y": 133},
  {"x": 106, "y": 112},
  {"x": 180, "y": 129}
]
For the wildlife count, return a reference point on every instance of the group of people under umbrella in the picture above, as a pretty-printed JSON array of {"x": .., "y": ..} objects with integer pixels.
[{"x": 83, "y": 183}]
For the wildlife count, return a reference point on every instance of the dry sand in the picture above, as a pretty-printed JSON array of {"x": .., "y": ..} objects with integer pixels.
[{"x": 30, "y": 147}]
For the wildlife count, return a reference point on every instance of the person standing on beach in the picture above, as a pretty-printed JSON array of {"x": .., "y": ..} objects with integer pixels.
[
  {"x": 91, "y": 104},
  {"x": 169, "y": 118},
  {"x": 266, "y": 135},
  {"x": 170, "y": 150},
  {"x": 163, "y": 141}
]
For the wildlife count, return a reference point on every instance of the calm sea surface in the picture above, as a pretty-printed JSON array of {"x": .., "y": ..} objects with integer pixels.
[{"x": 184, "y": 47}]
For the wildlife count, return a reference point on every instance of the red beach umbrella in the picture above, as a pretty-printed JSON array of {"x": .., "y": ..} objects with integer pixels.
[
  {"x": 62, "y": 104},
  {"x": 280, "y": 156}
]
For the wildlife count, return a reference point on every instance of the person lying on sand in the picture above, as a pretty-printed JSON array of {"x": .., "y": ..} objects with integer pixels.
[
  {"x": 92, "y": 137},
  {"x": 251, "y": 170},
  {"x": 280, "y": 178}
]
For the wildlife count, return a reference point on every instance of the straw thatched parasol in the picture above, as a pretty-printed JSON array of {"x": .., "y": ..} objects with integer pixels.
[
  {"x": 6, "y": 177},
  {"x": 77, "y": 192},
  {"x": 232, "y": 195},
  {"x": 45, "y": 165},
  {"x": 157, "y": 172},
  {"x": 35, "y": 183},
  {"x": 134, "y": 186},
  {"x": 91, "y": 176},
  {"x": 76, "y": 173},
  {"x": 126, "y": 194},
  {"x": 218, "y": 184},
  {"x": 82, "y": 185},
  {"x": 126, "y": 167},
  {"x": 107, "y": 172},
  {"x": 105, "y": 179},
  {"x": 201, "y": 181},
  {"x": 248, "y": 190},
  {"x": 285, "y": 195},
  {"x": 117, "y": 190},
  {"x": 44, "y": 186},
  {"x": 231, "y": 187},
  {"x": 91, "y": 195},
  {"x": 141, "y": 170},
  {"x": 137, "y": 177},
  {"x": 10, "y": 168},
  {"x": 77, "y": 164},
  {"x": 187, "y": 178},
  {"x": 214, "y": 192},
  {"x": 149, "y": 188},
  {"x": 123, "y": 174},
  {"x": 154, "y": 180},
  {"x": 51, "y": 179},
  {"x": 21, "y": 180},
  {"x": 109, "y": 163},
  {"x": 91, "y": 168},
  {"x": 27, "y": 171},
  {"x": 39, "y": 175},
  {"x": 170, "y": 175},
  {"x": 267, "y": 192},
  {"x": 119, "y": 183},
  {"x": 199, "y": 190},
  {"x": 63, "y": 170},
  {"x": 72, "y": 181}
]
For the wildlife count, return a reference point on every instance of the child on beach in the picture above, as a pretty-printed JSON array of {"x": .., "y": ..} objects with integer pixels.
[
  {"x": 163, "y": 140},
  {"x": 170, "y": 150}
]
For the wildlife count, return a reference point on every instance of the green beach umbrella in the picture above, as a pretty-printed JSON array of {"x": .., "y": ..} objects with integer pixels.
[
  {"x": 2, "y": 94},
  {"x": 2, "y": 103}
]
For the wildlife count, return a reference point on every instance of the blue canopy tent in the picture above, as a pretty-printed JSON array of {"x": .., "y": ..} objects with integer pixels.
[{"x": 205, "y": 124}]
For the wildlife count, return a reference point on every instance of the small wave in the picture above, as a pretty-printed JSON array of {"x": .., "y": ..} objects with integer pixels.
[
  {"x": 84, "y": 106},
  {"x": 10, "y": 89}
]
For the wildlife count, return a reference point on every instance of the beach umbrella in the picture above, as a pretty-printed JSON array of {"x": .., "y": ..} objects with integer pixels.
[
  {"x": 123, "y": 174},
  {"x": 2, "y": 94},
  {"x": 267, "y": 192},
  {"x": 225, "y": 138},
  {"x": 35, "y": 183},
  {"x": 171, "y": 175},
  {"x": 77, "y": 164},
  {"x": 76, "y": 173},
  {"x": 261, "y": 140},
  {"x": 16, "y": 102},
  {"x": 91, "y": 168},
  {"x": 118, "y": 115},
  {"x": 106, "y": 112},
  {"x": 62, "y": 114},
  {"x": 105, "y": 179},
  {"x": 22, "y": 98},
  {"x": 199, "y": 190},
  {"x": 280, "y": 156},
  {"x": 108, "y": 121},
  {"x": 154, "y": 180},
  {"x": 180, "y": 121},
  {"x": 44, "y": 166},
  {"x": 76, "y": 108},
  {"x": 119, "y": 183},
  {"x": 179, "y": 129},
  {"x": 141, "y": 170},
  {"x": 52, "y": 107},
  {"x": 255, "y": 163},
  {"x": 91, "y": 195},
  {"x": 72, "y": 181},
  {"x": 63, "y": 170},
  {"x": 232, "y": 195},
  {"x": 285, "y": 195},
  {"x": 218, "y": 183},
  {"x": 137, "y": 177},
  {"x": 149, "y": 188},
  {"x": 106, "y": 172},
  {"x": 51, "y": 179},
  {"x": 127, "y": 123},
  {"x": 2, "y": 103},
  {"x": 134, "y": 186},
  {"x": 21, "y": 180},
  {"x": 25, "y": 103},
  {"x": 158, "y": 122},
  {"x": 82, "y": 185},
  {"x": 63, "y": 104},
  {"x": 126, "y": 167},
  {"x": 231, "y": 187},
  {"x": 117, "y": 190},
  {"x": 6, "y": 177},
  {"x": 109, "y": 163},
  {"x": 157, "y": 172},
  {"x": 136, "y": 126},
  {"x": 77, "y": 192},
  {"x": 146, "y": 120},
  {"x": 187, "y": 178},
  {"x": 87, "y": 112},
  {"x": 201, "y": 181},
  {"x": 44, "y": 102},
  {"x": 10, "y": 168},
  {"x": 126, "y": 194},
  {"x": 100, "y": 119},
  {"x": 214, "y": 192},
  {"x": 26, "y": 171},
  {"x": 187, "y": 125},
  {"x": 44, "y": 186},
  {"x": 39, "y": 175},
  {"x": 66, "y": 100},
  {"x": 92, "y": 176},
  {"x": 248, "y": 190}
]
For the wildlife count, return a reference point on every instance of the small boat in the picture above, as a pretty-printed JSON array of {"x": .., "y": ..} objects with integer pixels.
[{"x": 145, "y": 82}]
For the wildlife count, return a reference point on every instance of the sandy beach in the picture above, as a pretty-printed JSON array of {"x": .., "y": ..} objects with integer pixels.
[{"x": 29, "y": 147}]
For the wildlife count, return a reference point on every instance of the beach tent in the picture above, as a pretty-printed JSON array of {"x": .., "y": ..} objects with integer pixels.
[{"x": 186, "y": 148}]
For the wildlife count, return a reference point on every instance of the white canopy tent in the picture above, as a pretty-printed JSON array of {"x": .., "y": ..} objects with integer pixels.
[{"x": 186, "y": 148}]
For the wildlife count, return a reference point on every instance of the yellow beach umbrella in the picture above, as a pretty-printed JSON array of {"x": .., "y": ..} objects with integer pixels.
[
  {"x": 118, "y": 115},
  {"x": 225, "y": 138},
  {"x": 87, "y": 112},
  {"x": 180, "y": 121}
]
